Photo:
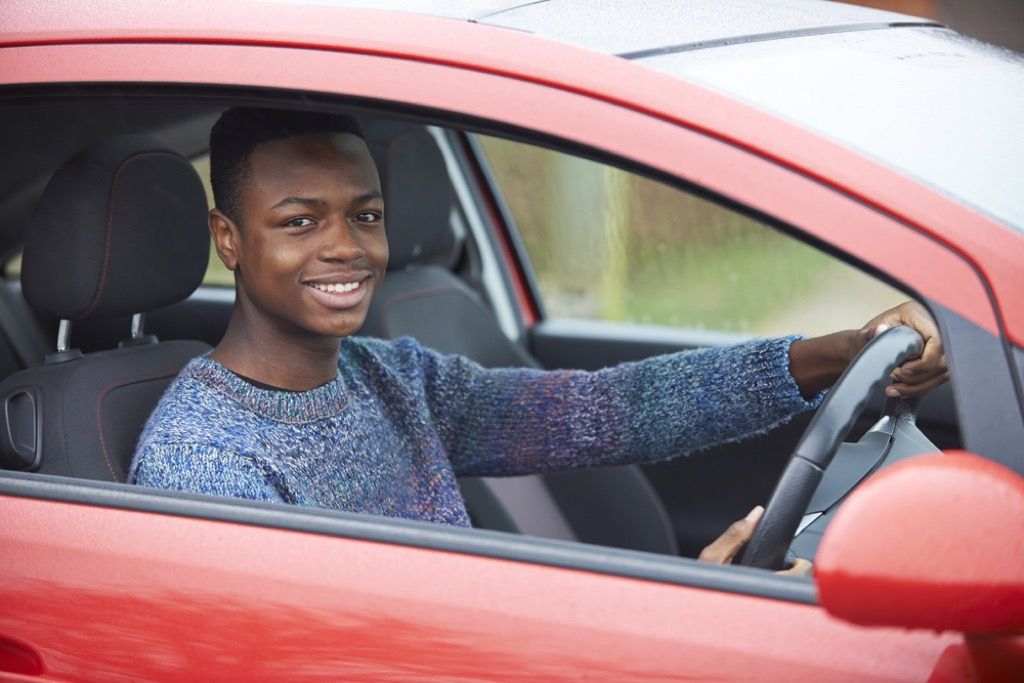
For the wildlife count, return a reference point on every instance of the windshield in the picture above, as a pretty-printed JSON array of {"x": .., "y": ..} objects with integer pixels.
[{"x": 941, "y": 107}]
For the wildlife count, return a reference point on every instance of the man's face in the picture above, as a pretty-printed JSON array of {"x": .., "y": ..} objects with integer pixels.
[{"x": 311, "y": 244}]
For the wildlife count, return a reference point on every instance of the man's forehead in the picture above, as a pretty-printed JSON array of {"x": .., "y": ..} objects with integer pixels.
[
  {"x": 324, "y": 145},
  {"x": 340, "y": 151}
]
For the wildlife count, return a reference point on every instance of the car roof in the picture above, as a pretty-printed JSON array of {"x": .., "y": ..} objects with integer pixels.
[
  {"x": 634, "y": 29},
  {"x": 902, "y": 90},
  {"x": 627, "y": 29}
]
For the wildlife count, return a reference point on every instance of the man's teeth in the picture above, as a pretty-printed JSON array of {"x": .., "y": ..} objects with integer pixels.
[{"x": 336, "y": 288}]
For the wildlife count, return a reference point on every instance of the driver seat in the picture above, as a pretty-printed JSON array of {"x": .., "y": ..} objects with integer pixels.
[{"x": 120, "y": 230}]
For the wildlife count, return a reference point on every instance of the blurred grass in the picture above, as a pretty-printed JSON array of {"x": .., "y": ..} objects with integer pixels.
[
  {"x": 610, "y": 245},
  {"x": 729, "y": 286}
]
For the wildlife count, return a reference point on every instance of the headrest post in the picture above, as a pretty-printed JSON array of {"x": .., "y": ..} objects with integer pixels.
[
  {"x": 63, "y": 336},
  {"x": 138, "y": 323}
]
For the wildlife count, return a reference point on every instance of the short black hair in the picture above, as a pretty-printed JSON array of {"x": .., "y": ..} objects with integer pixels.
[{"x": 239, "y": 130}]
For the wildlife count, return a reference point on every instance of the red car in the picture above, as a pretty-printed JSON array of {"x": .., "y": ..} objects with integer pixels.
[{"x": 580, "y": 185}]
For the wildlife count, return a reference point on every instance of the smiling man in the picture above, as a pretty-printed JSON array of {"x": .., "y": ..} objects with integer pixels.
[
  {"x": 302, "y": 227},
  {"x": 290, "y": 407}
]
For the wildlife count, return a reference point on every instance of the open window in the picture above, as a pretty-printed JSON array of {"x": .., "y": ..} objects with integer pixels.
[{"x": 619, "y": 264}]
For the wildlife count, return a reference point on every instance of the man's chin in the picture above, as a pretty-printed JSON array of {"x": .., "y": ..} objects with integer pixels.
[{"x": 343, "y": 328}]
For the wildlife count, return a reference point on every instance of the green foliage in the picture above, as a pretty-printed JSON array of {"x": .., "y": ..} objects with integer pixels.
[{"x": 610, "y": 245}]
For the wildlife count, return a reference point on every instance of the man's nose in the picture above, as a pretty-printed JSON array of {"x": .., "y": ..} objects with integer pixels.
[{"x": 339, "y": 242}]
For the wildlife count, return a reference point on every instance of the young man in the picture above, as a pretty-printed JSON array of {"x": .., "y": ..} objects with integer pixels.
[{"x": 290, "y": 407}]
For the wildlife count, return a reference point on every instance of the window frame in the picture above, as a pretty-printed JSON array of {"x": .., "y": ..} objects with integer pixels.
[{"x": 478, "y": 101}]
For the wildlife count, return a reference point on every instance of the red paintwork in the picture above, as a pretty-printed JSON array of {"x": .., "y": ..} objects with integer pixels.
[
  {"x": 157, "y": 595},
  {"x": 907, "y": 254},
  {"x": 934, "y": 542},
  {"x": 170, "y": 597},
  {"x": 992, "y": 249},
  {"x": 895, "y": 553}
]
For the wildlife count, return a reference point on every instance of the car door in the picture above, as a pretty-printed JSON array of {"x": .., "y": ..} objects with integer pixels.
[
  {"x": 623, "y": 267},
  {"x": 110, "y": 581}
]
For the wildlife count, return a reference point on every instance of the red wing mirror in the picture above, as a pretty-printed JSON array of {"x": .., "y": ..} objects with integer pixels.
[{"x": 932, "y": 542}]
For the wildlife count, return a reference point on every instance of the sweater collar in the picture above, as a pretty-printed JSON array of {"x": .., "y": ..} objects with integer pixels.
[{"x": 326, "y": 400}]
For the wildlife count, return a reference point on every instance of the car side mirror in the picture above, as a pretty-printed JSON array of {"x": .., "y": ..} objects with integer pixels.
[{"x": 933, "y": 542}]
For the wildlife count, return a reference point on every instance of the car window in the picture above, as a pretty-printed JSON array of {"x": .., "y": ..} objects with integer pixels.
[
  {"x": 216, "y": 273},
  {"x": 609, "y": 245},
  {"x": 661, "y": 256}
]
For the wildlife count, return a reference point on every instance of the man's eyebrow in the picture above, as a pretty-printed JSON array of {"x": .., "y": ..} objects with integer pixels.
[
  {"x": 367, "y": 196},
  {"x": 306, "y": 201},
  {"x": 311, "y": 201}
]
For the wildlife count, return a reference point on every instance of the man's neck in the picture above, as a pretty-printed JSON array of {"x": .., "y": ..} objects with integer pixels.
[{"x": 270, "y": 357}]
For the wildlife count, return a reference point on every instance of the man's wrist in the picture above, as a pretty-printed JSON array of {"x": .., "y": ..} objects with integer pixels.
[{"x": 816, "y": 363}]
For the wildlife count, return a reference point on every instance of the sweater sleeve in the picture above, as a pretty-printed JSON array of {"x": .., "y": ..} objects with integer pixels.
[
  {"x": 519, "y": 421},
  {"x": 195, "y": 468}
]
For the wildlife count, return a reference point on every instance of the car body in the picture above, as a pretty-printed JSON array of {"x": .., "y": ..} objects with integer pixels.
[{"x": 844, "y": 128}]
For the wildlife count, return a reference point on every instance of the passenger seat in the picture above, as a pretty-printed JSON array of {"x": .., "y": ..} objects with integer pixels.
[{"x": 120, "y": 230}]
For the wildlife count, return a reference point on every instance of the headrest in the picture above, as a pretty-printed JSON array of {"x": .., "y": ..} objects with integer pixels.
[
  {"x": 418, "y": 203},
  {"x": 120, "y": 229}
]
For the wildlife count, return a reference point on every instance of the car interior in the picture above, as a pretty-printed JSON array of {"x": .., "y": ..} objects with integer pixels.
[{"x": 103, "y": 300}]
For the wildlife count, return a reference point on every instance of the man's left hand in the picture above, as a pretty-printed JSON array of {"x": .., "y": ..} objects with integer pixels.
[
  {"x": 915, "y": 377},
  {"x": 817, "y": 363}
]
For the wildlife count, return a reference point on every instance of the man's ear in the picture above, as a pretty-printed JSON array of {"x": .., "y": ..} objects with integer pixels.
[{"x": 226, "y": 238}]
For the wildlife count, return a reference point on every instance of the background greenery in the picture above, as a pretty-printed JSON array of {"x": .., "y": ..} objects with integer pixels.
[{"x": 610, "y": 245}]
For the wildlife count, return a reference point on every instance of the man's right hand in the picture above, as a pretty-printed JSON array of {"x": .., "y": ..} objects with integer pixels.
[{"x": 724, "y": 548}]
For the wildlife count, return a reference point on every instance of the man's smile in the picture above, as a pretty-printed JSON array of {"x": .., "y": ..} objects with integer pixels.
[
  {"x": 336, "y": 288},
  {"x": 339, "y": 291}
]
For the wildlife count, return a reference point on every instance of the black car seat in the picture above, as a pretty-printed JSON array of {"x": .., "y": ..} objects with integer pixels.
[
  {"x": 422, "y": 297},
  {"x": 120, "y": 230}
]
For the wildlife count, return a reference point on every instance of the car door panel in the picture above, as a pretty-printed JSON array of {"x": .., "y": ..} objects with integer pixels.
[{"x": 157, "y": 595}]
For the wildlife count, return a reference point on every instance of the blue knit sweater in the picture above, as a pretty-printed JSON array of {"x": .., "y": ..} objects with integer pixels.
[{"x": 390, "y": 434}]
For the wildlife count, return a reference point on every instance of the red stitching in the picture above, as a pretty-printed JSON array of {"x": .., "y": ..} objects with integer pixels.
[
  {"x": 101, "y": 287},
  {"x": 99, "y": 412}
]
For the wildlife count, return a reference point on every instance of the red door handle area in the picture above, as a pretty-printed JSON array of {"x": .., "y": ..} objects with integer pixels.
[{"x": 19, "y": 658}]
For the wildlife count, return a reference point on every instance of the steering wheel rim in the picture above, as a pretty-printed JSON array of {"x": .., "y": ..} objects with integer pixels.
[{"x": 865, "y": 376}]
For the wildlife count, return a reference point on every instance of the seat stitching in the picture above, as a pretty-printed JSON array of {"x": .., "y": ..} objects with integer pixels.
[
  {"x": 101, "y": 287},
  {"x": 99, "y": 412}
]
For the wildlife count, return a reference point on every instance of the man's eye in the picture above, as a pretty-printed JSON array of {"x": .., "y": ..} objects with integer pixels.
[
  {"x": 369, "y": 217},
  {"x": 300, "y": 222}
]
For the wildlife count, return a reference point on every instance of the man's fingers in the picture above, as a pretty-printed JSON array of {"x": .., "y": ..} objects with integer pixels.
[
  {"x": 932, "y": 357},
  {"x": 901, "y": 390},
  {"x": 801, "y": 567},
  {"x": 919, "y": 374},
  {"x": 724, "y": 548}
]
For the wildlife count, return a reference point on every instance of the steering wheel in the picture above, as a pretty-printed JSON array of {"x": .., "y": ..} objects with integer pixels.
[{"x": 863, "y": 378}]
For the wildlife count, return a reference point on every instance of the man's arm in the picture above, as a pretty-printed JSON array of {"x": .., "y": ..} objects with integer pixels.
[
  {"x": 518, "y": 421},
  {"x": 194, "y": 468}
]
